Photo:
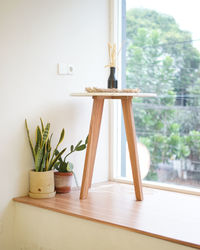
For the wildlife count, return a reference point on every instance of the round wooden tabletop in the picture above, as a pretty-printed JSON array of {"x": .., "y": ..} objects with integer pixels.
[{"x": 86, "y": 94}]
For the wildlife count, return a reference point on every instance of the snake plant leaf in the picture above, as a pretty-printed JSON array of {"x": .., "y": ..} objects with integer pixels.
[
  {"x": 78, "y": 144},
  {"x": 60, "y": 140},
  {"x": 38, "y": 159},
  {"x": 48, "y": 152},
  {"x": 81, "y": 147},
  {"x": 49, "y": 155},
  {"x": 44, "y": 166},
  {"x": 56, "y": 152},
  {"x": 50, "y": 137},
  {"x": 48, "y": 145},
  {"x": 51, "y": 165},
  {"x": 45, "y": 134},
  {"x": 62, "y": 135},
  {"x": 29, "y": 139},
  {"x": 44, "y": 163},
  {"x": 42, "y": 124},
  {"x": 38, "y": 139}
]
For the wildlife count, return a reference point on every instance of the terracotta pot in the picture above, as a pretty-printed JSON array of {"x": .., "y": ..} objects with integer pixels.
[
  {"x": 41, "y": 184},
  {"x": 63, "y": 182}
]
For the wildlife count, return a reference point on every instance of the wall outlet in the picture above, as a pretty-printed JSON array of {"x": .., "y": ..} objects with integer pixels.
[
  {"x": 65, "y": 69},
  {"x": 70, "y": 69}
]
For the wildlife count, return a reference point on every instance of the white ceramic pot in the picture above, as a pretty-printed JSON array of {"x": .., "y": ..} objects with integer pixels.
[
  {"x": 63, "y": 182},
  {"x": 41, "y": 184}
]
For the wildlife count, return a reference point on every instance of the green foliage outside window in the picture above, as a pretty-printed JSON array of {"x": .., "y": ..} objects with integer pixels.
[{"x": 162, "y": 59}]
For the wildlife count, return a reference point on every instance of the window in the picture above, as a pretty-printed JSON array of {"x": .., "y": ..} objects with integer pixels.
[{"x": 162, "y": 55}]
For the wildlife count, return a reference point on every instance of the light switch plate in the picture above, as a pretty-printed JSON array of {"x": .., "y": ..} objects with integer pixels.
[{"x": 62, "y": 69}]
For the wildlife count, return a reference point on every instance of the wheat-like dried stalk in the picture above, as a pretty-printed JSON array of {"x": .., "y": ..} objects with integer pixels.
[{"x": 112, "y": 55}]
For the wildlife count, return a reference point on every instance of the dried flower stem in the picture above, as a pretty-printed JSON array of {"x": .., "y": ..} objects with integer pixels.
[{"x": 112, "y": 55}]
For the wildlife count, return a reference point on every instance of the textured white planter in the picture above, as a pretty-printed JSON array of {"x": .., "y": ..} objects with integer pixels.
[
  {"x": 63, "y": 182},
  {"x": 42, "y": 184}
]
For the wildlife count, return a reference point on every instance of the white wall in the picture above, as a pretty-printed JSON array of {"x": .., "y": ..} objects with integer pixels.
[
  {"x": 35, "y": 35},
  {"x": 62, "y": 232}
]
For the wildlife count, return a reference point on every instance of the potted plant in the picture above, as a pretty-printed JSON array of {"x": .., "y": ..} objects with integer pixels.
[
  {"x": 42, "y": 176},
  {"x": 64, "y": 173}
]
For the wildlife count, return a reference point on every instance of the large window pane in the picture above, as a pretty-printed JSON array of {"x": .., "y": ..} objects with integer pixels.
[{"x": 162, "y": 56}]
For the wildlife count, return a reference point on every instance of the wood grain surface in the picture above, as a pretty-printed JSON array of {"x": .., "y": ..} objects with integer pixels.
[
  {"x": 95, "y": 125},
  {"x": 93, "y": 137},
  {"x": 162, "y": 214},
  {"x": 132, "y": 145}
]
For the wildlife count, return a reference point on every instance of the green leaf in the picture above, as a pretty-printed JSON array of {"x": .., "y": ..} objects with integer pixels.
[
  {"x": 72, "y": 148},
  {"x": 50, "y": 137},
  {"x": 79, "y": 143},
  {"x": 38, "y": 139},
  {"x": 81, "y": 147},
  {"x": 86, "y": 140},
  {"x": 48, "y": 145},
  {"x": 29, "y": 139},
  {"x": 69, "y": 167},
  {"x": 63, "y": 167},
  {"x": 44, "y": 160},
  {"x": 56, "y": 165},
  {"x": 45, "y": 134},
  {"x": 56, "y": 152},
  {"x": 62, "y": 135},
  {"x": 60, "y": 140},
  {"x": 55, "y": 159},
  {"x": 38, "y": 158},
  {"x": 42, "y": 125}
]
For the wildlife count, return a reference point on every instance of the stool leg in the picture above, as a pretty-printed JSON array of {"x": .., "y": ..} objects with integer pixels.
[
  {"x": 132, "y": 145},
  {"x": 95, "y": 124}
]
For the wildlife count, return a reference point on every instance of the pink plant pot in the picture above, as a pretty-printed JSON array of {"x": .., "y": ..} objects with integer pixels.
[{"x": 63, "y": 182}]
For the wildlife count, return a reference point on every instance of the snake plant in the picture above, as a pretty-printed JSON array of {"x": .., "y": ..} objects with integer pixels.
[{"x": 42, "y": 157}]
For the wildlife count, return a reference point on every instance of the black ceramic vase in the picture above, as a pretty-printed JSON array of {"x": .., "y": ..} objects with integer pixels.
[{"x": 112, "y": 81}]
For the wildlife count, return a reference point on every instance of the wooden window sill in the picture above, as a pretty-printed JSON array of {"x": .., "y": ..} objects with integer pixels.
[{"x": 162, "y": 214}]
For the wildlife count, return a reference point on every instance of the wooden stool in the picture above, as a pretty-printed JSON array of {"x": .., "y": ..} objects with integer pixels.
[{"x": 95, "y": 123}]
